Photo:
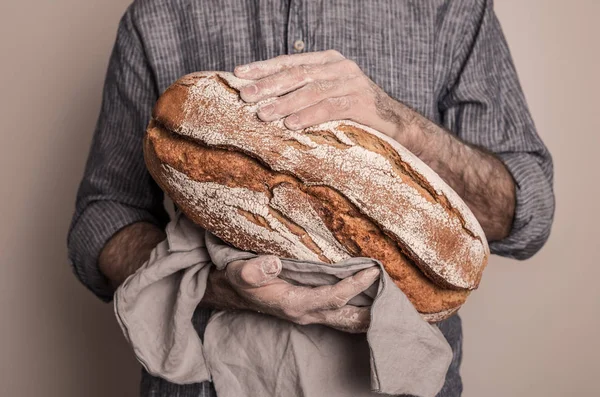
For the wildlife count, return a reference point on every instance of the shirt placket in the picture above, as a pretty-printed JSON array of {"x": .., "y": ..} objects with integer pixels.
[{"x": 296, "y": 33}]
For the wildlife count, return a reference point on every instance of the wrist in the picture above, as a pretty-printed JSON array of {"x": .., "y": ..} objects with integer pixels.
[
  {"x": 420, "y": 136},
  {"x": 402, "y": 124}
]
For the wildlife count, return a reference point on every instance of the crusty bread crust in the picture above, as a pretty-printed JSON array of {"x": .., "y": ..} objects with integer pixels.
[
  {"x": 326, "y": 193},
  {"x": 171, "y": 158}
]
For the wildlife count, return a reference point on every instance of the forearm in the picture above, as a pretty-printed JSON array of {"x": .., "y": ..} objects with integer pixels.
[
  {"x": 127, "y": 251},
  {"x": 481, "y": 179},
  {"x": 323, "y": 93}
]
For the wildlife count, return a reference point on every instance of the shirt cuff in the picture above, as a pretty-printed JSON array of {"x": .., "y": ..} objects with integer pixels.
[
  {"x": 534, "y": 208},
  {"x": 90, "y": 233}
]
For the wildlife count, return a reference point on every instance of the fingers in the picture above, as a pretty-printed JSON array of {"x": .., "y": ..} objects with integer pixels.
[
  {"x": 254, "y": 272},
  {"x": 312, "y": 89},
  {"x": 352, "y": 319},
  {"x": 256, "y": 281},
  {"x": 298, "y": 76},
  {"x": 311, "y": 94},
  {"x": 337, "y": 108},
  {"x": 288, "y": 80},
  {"x": 261, "y": 69},
  {"x": 336, "y": 296}
]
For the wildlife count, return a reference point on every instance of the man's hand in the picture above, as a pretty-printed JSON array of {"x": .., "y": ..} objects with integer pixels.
[
  {"x": 314, "y": 88},
  {"x": 248, "y": 284},
  {"x": 317, "y": 87},
  {"x": 253, "y": 285}
]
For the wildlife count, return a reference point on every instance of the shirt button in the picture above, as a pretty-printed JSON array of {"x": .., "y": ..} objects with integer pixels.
[{"x": 298, "y": 45}]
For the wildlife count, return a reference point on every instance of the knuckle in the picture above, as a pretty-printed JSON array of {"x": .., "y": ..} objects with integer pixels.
[
  {"x": 350, "y": 66},
  {"x": 306, "y": 69},
  {"x": 334, "y": 54},
  {"x": 321, "y": 86},
  {"x": 302, "y": 70},
  {"x": 335, "y": 302},
  {"x": 340, "y": 103},
  {"x": 338, "y": 302},
  {"x": 299, "y": 73},
  {"x": 312, "y": 70}
]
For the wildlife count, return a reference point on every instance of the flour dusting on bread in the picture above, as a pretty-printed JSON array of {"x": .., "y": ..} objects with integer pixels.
[
  {"x": 328, "y": 192},
  {"x": 366, "y": 178},
  {"x": 296, "y": 206},
  {"x": 217, "y": 201}
]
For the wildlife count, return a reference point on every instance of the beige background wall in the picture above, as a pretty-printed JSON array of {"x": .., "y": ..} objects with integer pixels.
[{"x": 531, "y": 329}]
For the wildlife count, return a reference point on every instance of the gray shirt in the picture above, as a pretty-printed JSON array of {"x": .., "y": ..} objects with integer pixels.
[{"x": 446, "y": 59}]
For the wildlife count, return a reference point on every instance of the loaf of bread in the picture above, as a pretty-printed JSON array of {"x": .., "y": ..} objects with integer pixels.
[{"x": 325, "y": 193}]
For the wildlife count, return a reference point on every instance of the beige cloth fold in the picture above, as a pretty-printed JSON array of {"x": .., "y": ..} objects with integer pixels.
[{"x": 247, "y": 353}]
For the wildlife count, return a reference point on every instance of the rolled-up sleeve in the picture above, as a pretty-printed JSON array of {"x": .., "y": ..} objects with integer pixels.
[
  {"x": 485, "y": 106},
  {"x": 116, "y": 189}
]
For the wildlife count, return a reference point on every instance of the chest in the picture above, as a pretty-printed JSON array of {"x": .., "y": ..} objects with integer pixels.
[{"x": 393, "y": 42}]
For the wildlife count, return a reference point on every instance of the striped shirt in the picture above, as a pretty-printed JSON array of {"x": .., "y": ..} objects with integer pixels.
[{"x": 446, "y": 59}]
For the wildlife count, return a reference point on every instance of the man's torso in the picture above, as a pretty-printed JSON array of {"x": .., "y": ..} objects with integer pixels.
[{"x": 406, "y": 47}]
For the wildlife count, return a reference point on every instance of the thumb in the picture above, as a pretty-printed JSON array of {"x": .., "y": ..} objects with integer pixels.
[{"x": 254, "y": 272}]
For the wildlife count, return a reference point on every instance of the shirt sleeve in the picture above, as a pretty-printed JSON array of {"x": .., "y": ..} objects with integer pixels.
[
  {"x": 116, "y": 189},
  {"x": 485, "y": 106}
]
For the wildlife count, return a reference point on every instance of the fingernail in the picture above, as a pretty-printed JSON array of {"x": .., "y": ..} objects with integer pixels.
[
  {"x": 266, "y": 110},
  {"x": 292, "y": 121},
  {"x": 372, "y": 272},
  {"x": 270, "y": 266}
]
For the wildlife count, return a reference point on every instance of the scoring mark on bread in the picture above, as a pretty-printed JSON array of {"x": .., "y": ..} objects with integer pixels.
[
  {"x": 402, "y": 168},
  {"x": 235, "y": 214},
  {"x": 296, "y": 204},
  {"x": 257, "y": 219},
  {"x": 302, "y": 234},
  {"x": 297, "y": 144},
  {"x": 323, "y": 137},
  {"x": 225, "y": 83}
]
